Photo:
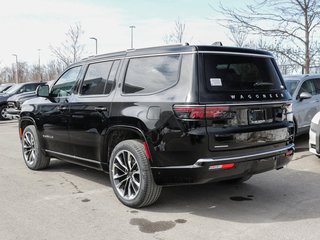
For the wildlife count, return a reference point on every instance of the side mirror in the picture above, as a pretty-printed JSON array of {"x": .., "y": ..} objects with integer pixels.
[
  {"x": 304, "y": 95},
  {"x": 43, "y": 91}
]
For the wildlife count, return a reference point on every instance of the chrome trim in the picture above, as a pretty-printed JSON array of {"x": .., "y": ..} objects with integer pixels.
[
  {"x": 233, "y": 104},
  {"x": 72, "y": 156},
  {"x": 250, "y": 103},
  {"x": 199, "y": 162},
  {"x": 238, "y": 53},
  {"x": 213, "y": 160}
]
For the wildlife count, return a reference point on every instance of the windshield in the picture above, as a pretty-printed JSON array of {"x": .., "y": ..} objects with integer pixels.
[
  {"x": 4, "y": 87},
  {"x": 225, "y": 73},
  {"x": 13, "y": 89},
  {"x": 291, "y": 85}
]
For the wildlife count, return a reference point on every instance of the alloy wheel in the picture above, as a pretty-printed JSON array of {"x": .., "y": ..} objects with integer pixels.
[
  {"x": 126, "y": 175},
  {"x": 29, "y": 151}
]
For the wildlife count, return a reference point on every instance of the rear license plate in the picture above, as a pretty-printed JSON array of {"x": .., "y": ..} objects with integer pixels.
[{"x": 257, "y": 116}]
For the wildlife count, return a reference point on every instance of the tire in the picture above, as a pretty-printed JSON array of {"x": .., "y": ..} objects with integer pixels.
[
  {"x": 32, "y": 153},
  {"x": 130, "y": 175},
  {"x": 239, "y": 180},
  {"x": 3, "y": 109}
]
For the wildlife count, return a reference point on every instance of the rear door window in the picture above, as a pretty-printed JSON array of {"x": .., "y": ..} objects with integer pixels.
[
  {"x": 224, "y": 73},
  {"x": 151, "y": 74},
  {"x": 96, "y": 78}
]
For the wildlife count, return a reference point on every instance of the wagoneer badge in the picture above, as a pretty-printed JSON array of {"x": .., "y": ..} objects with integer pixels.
[{"x": 257, "y": 96}]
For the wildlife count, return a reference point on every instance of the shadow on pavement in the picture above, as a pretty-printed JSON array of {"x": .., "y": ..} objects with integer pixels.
[{"x": 277, "y": 196}]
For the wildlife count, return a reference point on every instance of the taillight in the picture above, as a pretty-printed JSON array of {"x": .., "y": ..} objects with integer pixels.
[{"x": 199, "y": 111}]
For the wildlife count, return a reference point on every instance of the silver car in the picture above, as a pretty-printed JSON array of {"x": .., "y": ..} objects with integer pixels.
[{"x": 305, "y": 92}]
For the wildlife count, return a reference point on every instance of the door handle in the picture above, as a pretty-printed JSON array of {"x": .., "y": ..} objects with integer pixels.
[
  {"x": 100, "y": 109},
  {"x": 62, "y": 108}
]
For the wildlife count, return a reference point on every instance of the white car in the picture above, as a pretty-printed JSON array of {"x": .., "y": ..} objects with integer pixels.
[{"x": 314, "y": 135}]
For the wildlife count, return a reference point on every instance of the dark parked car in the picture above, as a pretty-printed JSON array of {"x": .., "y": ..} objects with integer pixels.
[
  {"x": 14, "y": 102},
  {"x": 15, "y": 89},
  {"x": 163, "y": 116},
  {"x": 5, "y": 86}
]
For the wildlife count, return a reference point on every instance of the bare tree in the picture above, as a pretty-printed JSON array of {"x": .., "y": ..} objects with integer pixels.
[
  {"x": 71, "y": 49},
  {"x": 177, "y": 35},
  {"x": 293, "y": 23},
  {"x": 238, "y": 36}
]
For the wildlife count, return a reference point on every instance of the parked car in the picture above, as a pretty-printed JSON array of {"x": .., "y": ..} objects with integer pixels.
[
  {"x": 163, "y": 116},
  {"x": 5, "y": 86},
  {"x": 314, "y": 135},
  {"x": 14, "y": 102},
  {"x": 16, "y": 89},
  {"x": 305, "y": 91}
]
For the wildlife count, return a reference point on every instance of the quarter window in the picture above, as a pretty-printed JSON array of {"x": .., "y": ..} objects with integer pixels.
[
  {"x": 151, "y": 74},
  {"x": 96, "y": 78}
]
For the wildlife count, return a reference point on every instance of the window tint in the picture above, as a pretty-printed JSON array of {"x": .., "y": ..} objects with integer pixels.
[
  {"x": 291, "y": 85},
  {"x": 66, "y": 82},
  {"x": 317, "y": 85},
  {"x": 96, "y": 78},
  {"x": 239, "y": 73},
  {"x": 112, "y": 77},
  {"x": 151, "y": 74},
  {"x": 308, "y": 87}
]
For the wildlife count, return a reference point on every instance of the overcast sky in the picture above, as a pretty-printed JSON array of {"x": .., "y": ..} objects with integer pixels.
[{"x": 29, "y": 25}]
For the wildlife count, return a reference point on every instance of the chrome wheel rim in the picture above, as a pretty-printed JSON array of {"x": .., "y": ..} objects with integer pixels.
[
  {"x": 29, "y": 151},
  {"x": 126, "y": 175}
]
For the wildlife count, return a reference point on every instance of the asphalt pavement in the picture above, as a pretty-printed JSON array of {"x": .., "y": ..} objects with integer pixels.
[{"x": 67, "y": 201}]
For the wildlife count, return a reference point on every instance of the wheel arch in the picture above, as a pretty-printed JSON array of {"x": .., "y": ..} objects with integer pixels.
[
  {"x": 117, "y": 134},
  {"x": 24, "y": 122}
]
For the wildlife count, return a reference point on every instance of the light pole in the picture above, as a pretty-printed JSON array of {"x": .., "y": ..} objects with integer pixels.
[
  {"x": 95, "y": 39},
  {"x": 17, "y": 77},
  {"x": 132, "y": 27},
  {"x": 39, "y": 62}
]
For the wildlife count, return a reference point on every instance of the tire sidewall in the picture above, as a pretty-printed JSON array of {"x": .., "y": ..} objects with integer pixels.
[
  {"x": 31, "y": 129},
  {"x": 144, "y": 172},
  {"x": 1, "y": 109}
]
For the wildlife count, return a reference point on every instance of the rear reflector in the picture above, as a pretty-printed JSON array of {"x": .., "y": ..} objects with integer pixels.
[
  {"x": 221, "y": 166},
  {"x": 289, "y": 153},
  {"x": 146, "y": 149}
]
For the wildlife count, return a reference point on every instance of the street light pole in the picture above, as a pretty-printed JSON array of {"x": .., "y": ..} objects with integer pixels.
[
  {"x": 132, "y": 27},
  {"x": 96, "y": 40},
  {"x": 17, "y": 77},
  {"x": 39, "y": 57}
]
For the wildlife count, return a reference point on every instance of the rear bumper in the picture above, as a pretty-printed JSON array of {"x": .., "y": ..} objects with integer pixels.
[{"x": 251, "y": 163}]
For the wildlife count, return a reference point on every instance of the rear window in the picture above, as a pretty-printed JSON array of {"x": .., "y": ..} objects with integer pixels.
[
  {"x": 240, "y": 73},
  {"x": 151, "y": 74}
]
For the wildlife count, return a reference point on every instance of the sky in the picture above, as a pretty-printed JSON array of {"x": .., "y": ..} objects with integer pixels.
[{"x": 27, "y": 26}]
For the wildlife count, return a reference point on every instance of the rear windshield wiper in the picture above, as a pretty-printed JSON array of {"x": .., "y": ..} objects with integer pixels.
[{"x": 262, "y": 84}]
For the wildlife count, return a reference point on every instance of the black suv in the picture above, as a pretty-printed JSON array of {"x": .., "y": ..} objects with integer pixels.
[{"x": 163, "y": 116}]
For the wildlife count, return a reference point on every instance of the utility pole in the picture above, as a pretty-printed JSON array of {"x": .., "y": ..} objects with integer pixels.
[
  {"x": 96, "y": 40},
  {"x": 39, "y": 62},
  {"x": 132, "y": 27},
  {"x": 17, "y": 77}
]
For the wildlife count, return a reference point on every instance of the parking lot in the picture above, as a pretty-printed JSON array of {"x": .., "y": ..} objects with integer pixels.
[{"x": 72, "y": 202}]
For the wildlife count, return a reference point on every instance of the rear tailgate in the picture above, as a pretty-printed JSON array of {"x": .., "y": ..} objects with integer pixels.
[{"x": 246, "y": 126}]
